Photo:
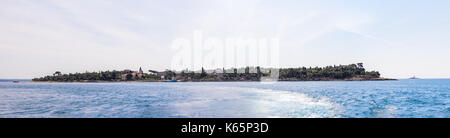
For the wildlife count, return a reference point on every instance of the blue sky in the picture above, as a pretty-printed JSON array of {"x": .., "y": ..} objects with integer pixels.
[{"x": 399, "y": 38}]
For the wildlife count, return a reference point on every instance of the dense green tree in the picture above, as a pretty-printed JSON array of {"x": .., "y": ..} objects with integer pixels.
[
  {"x": 340, "y": 72},
  {"x": 57, "y": 73},
  {"x": 203, "y": 73}
]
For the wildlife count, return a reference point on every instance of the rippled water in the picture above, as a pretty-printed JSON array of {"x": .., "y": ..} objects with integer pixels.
[{"x": 403, "y": 98}]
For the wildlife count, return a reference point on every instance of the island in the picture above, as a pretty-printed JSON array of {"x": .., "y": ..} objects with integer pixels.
[{"x": 352, "y": 72}]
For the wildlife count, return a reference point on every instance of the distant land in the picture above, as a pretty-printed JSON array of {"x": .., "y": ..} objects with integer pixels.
[
  {"x": 352, "y": 72},
  {"x": 11, "y": 80}
]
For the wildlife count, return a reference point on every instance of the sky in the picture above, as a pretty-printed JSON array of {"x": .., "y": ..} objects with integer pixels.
[{"x": 399, "y": 38}]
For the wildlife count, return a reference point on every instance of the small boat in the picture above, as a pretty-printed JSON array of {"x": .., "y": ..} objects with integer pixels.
[
  {"x": 16, "y": 81},
  {"x": 414, "y": 77},
  {"x": 172, "y": 80}
]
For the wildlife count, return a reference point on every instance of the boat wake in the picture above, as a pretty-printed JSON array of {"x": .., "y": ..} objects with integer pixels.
[{"x": 223, "y": 101}]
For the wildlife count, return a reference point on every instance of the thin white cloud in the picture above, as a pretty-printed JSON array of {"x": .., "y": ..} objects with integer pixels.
[{"x": 79, "y": 35}]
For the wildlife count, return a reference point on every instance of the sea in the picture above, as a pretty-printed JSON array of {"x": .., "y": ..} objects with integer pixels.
[{"x": 404, "y": 98}]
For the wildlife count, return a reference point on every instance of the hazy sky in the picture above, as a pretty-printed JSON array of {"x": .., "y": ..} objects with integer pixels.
[{"x": 399, "y": 38}]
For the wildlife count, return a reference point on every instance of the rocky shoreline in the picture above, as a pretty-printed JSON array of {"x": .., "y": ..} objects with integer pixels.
[{"x": 351, "y": 72}]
